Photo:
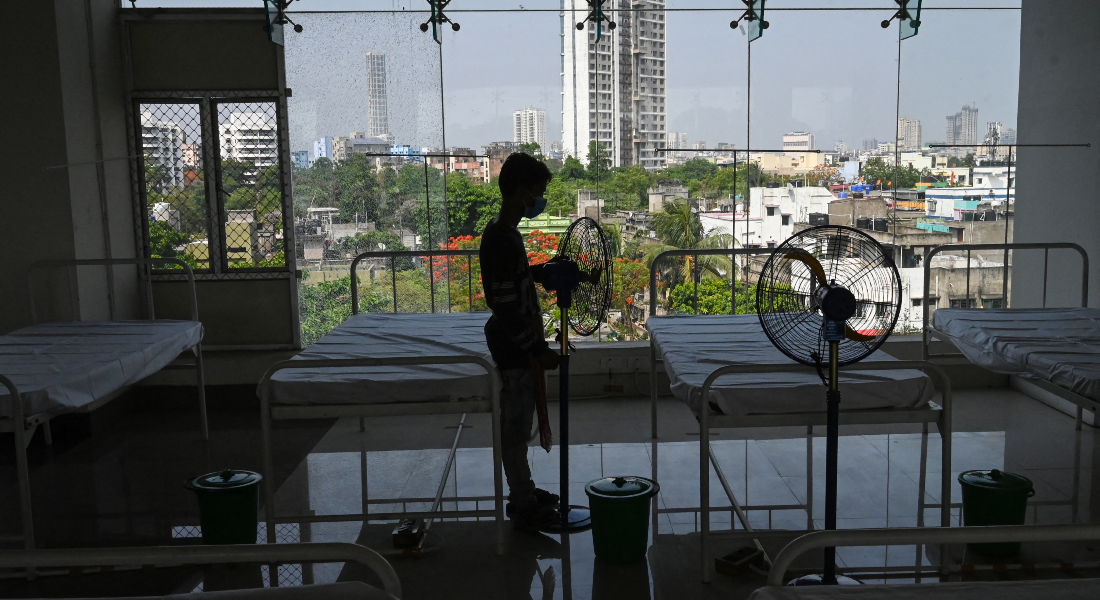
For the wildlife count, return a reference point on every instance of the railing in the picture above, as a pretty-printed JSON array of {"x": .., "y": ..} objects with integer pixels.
[
  {"x": 926, "y": 330},
  {"x": 731, "y": 252},
  {"x": 413, "y": 254}
]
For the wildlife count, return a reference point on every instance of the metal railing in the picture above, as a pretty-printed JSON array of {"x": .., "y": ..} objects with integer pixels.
[
  {"x": 926, "y": 328},
  {"x": 731, "y": 252},
  {"x": 414, "y": 254},
  {"x": 926, "y": 535}
]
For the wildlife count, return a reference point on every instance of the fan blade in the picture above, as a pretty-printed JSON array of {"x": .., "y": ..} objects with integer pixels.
[
  {"x": 856, "y": 336},
  {"x": 810, "y": 261}
]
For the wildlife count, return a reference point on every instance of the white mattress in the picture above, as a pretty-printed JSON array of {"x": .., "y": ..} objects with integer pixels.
[
  {"x": 1060, "y": 345},
  {"x": 1048, "y": 589},
  {"x": 391, "y": 335},
  {"x": 694, "y": 346},
  {"x": 59, "y": 367}
]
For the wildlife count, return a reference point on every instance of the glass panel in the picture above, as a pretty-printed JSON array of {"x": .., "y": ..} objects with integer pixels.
[
  {"x": 365, "y": 111},
  {"x": 250, "y": 184},
  {"x": 172, "y": 179}
]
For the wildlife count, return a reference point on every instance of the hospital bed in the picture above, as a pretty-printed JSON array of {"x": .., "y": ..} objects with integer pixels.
[
  {"x": 72, "y": 563},
  {"x": 50, "y": 369},
  {"x": 377, "y": 365},
  {"x": 731, "y": 376},
  {"x": 1055, "y": 349},
  {"x": 1054, "y": 589}
]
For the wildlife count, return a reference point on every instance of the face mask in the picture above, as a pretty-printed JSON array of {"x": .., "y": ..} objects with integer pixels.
[{"x": 536, "y": 210}]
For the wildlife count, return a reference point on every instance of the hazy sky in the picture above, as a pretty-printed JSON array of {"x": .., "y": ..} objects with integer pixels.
[{"x": 831, "y": 72}]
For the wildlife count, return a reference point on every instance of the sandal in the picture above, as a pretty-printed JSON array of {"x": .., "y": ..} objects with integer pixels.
[{"x": 542, "y": 497}]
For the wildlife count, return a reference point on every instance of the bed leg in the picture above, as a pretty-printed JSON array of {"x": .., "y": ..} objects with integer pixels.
[
  {"x": 200, "y": 381},
  {"x": 704, "y": 487},
  {"x": 47, "y": 433},
  {"x": 269, "y": 467},
  {"x": 1079, "y": 419},
  {"x": 653, "y": 389},
  {"x": 362, "y": 424}
]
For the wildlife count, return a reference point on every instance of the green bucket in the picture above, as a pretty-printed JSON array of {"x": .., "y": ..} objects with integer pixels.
[
  {"x": 620, "y": 517},
  {"x": 994, "y": 498},
  {"x": 228, "y": 506}
]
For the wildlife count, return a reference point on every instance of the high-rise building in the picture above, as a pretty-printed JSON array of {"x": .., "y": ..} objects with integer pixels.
[
  {"x": 162, "y": 143},
  {"x": 840, "y": 147},
  {"x": 251, "y": 137},
  {"x": 962, "y": 129},
  {"x": 378, "y": 117},
  {"x": 1009, "y": 136},
  {"x": 994, "y": 133},
  {"x": 300, "y": 159},
  {"x": 677, "y": 139},
  {"x": 322, "y": 148},
  {"x": 909, "y": 134},
  {"x": 614, "y": 88},
  {"x": 799, "y": 141},
  {"x": 529, "y": 126},
  {"x": 870, "y": 144}
]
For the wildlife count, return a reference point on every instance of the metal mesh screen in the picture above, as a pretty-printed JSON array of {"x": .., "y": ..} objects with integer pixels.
[
  {"x": 249, "y": 184},
  {"x": 172, "y": 178}
]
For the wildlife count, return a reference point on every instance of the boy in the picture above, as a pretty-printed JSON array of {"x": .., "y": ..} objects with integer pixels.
[{"x": 516, "y": 338}]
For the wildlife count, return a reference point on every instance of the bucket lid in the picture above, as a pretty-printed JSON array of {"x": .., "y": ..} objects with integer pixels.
[
  {"x": 995, "y": 479},
  {"x": 226, "y": 480},
  {"x": 621, "y": 487}
]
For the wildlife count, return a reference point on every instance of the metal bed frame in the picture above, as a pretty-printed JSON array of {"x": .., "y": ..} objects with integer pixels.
[
  {"x": 929, "y": 332},
  {"x": 925, "y": 536},
  {"x": 30, "y": 422},
  {"x": 74, "y": 560},
  {"x": 924, "y": 415},
  {"x": 270, "y": 411}
]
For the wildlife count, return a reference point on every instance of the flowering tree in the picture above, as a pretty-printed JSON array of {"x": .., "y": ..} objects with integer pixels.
[{"x": 631, "y": 277}]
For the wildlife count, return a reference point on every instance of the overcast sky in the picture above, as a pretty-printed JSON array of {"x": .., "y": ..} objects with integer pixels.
[{"x": 831, "y": 72}]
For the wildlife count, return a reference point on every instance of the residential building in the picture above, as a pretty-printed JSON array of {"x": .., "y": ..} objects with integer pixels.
[
  {"x": 772, "y": 215},
  {"x": 378, "y": 119},
  {"x": 163, "y": 144},
  {"x": 787, "y": 163},
  {"x": 962, "y": 128},
  {"x": 840, "y": 147},
  {"x": 529, "y": 127},
  {"x": 1008, "y": 136},
  {"x": 251, "y": 137},
  {"x": 322, "y": 148},
  {"x": 408, "y": 154},
  {"x": 796, "y": 141},
  {"x": 665, "y": 192},
  {"x": 614, "y": 87},
  {"x": 886, "y": 148},
  {"x": 909, "y": 133},
  {"x": 495, "y": 155},
  {"x": 357, "y": 142},
  {"x": 870, "y": 144},
  {"x": 300, "y": 159},
  {"x": 918, "y": 160},
  {"x": 192, "y": 156}
]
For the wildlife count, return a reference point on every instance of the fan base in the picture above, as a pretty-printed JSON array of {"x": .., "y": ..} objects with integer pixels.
[
  {"x": 578, "y": 518},
  {"x": 818, "y": 579}
]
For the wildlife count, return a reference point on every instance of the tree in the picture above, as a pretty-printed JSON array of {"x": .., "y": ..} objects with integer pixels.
[
  {"x": 876, "y": 171},
  {"x": 679, "y": 227},
  {"x": 571, "y": 169},
  {"x": 561, "y": 196},
  {"x": 628, "y": 188},
  {"x": 824, "y": 175},
  {"x": 532, "y": 148},
  {"x": 374, "y": 241},
  {"x": 599, "y": 161},
  {"x": 631, "y": 277},
  {"x": 470, "y": 204},
  {"x": 714, "y": 297}
]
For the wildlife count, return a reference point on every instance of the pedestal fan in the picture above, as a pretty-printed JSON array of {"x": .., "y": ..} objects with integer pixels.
[
  {"x": 829, "y": 295},
  {"x": 583, "y": 302}
]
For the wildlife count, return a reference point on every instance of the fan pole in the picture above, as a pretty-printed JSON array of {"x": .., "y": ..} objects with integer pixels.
[
  {"x": 573, "y": 518},
  {"x": 832, "y": 398}
]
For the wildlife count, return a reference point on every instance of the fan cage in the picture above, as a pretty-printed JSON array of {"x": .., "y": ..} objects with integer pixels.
[
  {"x": 586, "y": 244},
  {"x": 850, "y": 258}
]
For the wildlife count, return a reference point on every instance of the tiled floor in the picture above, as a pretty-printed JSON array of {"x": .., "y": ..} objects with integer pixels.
[{"x": 116, "y": 479}]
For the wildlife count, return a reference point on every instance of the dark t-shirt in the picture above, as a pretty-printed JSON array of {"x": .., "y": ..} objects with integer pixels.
[{"x": 509, "y": 283}]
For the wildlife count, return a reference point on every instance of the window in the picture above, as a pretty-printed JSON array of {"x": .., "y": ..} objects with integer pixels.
[
  {"x": 993, "y": 302},
  {"x": 771, "y": 211},
  {"x": 213, "y": 200},
  {"x": 964, "y": 303},
  {"x": 786, "y": 219},
  {"x": 917, "y": 302}
]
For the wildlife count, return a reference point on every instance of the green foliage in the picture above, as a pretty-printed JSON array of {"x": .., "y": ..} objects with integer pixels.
[
  {"x": 599, "y": 161},
  {"x": 372, "y": 241},
  {"x": 876, "y": 171},
  {"x": 715, "y": 295},
  {"x": 533, "y": 149},
  {"x": 561, "y": 195},
  {"x": 680, "y": 228},
  {"x": 571, "y": 169},
  {"x": 470, "y": 204},
  {"x": 164, "y": 240}
]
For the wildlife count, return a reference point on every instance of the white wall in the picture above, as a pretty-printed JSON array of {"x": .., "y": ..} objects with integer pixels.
[{"x": 1059, "y": 103}]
